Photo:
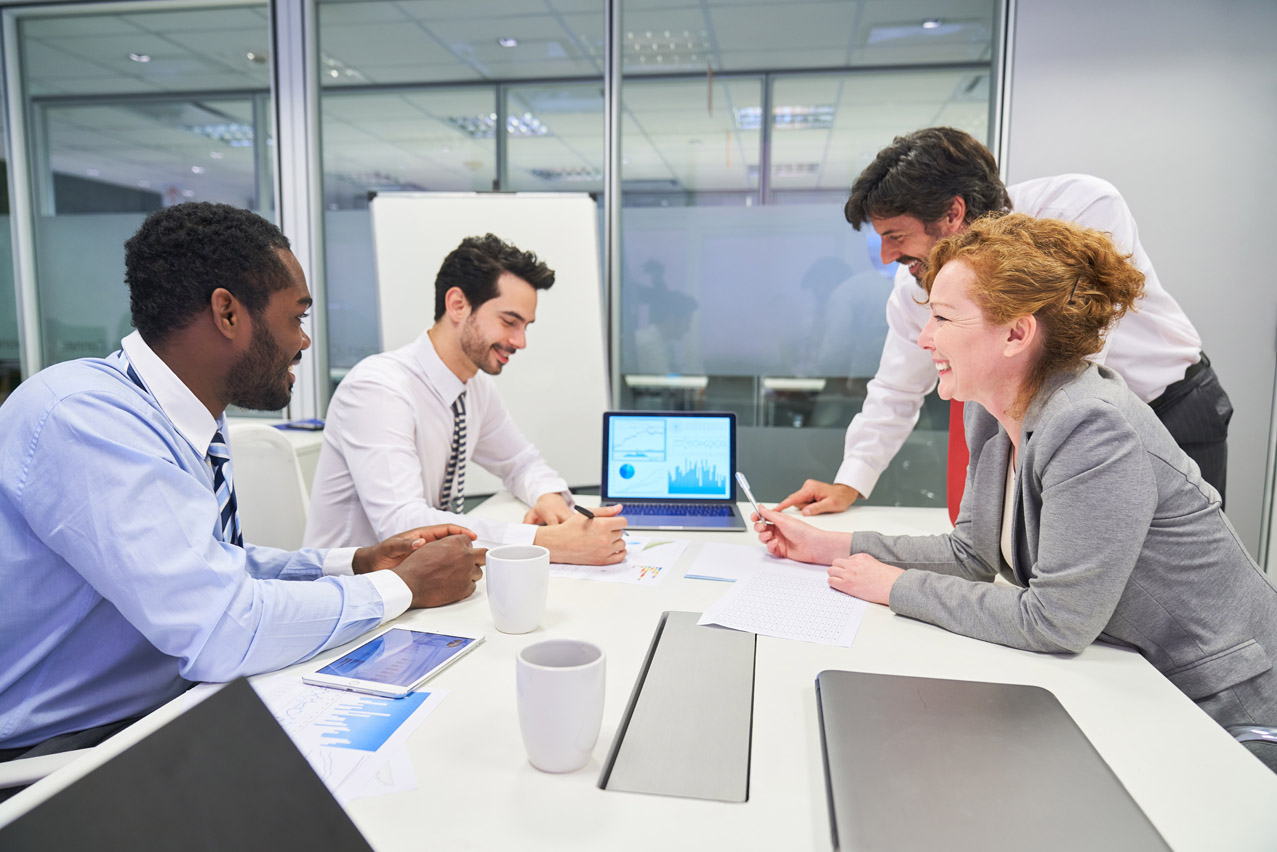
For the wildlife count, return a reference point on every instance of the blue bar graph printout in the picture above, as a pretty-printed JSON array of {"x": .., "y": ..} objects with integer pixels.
[{"x": 365, "y": 722}]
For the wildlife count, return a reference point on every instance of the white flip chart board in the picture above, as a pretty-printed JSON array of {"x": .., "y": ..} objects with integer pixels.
[{"x": 556, "y": 388}]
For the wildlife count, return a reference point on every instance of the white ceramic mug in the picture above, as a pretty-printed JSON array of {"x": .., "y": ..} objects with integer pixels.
[
  {"x": 560, "y": 689},
  {"x": 518, "y": 582}
]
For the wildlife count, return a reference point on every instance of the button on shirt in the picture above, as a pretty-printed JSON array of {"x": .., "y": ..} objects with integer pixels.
[
  {"x": 386, "y": 445},
  {"x": 1150, "y": 347},
  {"x": 117, "y": 588}
]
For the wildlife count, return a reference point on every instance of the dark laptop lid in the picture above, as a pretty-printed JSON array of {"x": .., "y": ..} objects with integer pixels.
[
  {"x": 223, "y": 775},
  {"x": 921, "y": 763},
  {"x": 669, "y": 456}
]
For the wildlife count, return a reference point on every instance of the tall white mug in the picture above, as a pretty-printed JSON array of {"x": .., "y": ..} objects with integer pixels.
[
  {"x": 518, "y": 582},
  {"x": 560, "y": 689}
]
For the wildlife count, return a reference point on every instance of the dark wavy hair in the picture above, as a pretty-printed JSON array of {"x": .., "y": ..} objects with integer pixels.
[
  {"x": 181, "y": 254},
  {"x": 478, "y": 262},
  {"x": 920, "y": 174},
  {"x": 1072, "y": 279}
]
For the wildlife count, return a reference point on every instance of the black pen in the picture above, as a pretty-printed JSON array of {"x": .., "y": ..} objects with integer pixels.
[{"x": 590, "y": 515}]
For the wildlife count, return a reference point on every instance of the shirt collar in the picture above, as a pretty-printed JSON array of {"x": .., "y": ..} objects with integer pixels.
[
  {"x": 175, "y": 399},
  {"x": 440, "y": 377}
]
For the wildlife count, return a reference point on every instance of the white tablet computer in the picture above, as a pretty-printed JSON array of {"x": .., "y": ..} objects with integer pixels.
[{"x": 394, "y": 663}]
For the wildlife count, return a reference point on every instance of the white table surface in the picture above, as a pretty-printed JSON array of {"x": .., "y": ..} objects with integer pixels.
[{"x": 477, "y": 790}]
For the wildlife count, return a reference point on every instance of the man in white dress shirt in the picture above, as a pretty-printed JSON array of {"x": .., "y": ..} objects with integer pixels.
[
  {"x": 403, "y": 425},
  {"x": 933, "y": 183}
]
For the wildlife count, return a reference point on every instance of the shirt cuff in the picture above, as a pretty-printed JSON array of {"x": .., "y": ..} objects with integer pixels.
[
  {"x": 396, "y": 597},
  {"x": 339, "y": 562},
  {"x": 858, "y": 475}
]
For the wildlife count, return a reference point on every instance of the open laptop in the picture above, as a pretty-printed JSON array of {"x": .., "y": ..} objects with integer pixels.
[
  {"x": 965, "y": 766},
  {"x": 672, "y": 470}
]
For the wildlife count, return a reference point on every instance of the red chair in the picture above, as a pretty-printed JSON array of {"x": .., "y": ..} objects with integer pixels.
[{"x": 956, "y": 470}]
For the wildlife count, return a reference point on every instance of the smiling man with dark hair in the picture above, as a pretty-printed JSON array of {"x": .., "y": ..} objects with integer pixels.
[
  {"x": 125, "y": 572},
  {"x": 404, "y": 425}
]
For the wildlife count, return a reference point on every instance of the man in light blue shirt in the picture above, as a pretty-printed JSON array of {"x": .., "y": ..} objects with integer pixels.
[{"x": 123, "y": 572}]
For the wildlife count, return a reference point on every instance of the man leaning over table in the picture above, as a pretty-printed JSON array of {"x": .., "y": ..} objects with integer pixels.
[
  {"x": 933, "y": 183},
  {"x": 124, "y": 569},
  {"x": 403, "y": 425}
]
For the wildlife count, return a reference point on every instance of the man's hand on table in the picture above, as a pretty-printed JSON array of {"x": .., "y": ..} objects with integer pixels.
[
  {"x": 437, "y": 563},
  {"x": 586, "y": 541},
  {"x": 549, "y": 509},
  {"x": 820, "y": 498}
]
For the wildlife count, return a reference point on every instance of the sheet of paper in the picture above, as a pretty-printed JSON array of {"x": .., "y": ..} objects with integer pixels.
[
  {"x": 730, "y": 562},
  {"x": 789, "y": 601},
  {"x": 352, "y": 741},
  {"x": 647, "y": 561}
]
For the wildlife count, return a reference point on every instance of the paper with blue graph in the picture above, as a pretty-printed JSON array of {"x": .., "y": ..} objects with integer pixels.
[
  {"x": 647, "y": 561},
  {"x": 353, "y": 741}
]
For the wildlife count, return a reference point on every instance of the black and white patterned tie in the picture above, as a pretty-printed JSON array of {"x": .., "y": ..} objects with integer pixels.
[
  {"x": 453, "y": 494},
  {"x": 224, "y": 487}
]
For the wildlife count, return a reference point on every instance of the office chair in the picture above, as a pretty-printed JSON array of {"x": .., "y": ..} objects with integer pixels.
[
  {"x": 272, "y": 496},
  {"x": 1255, "y": 734}
]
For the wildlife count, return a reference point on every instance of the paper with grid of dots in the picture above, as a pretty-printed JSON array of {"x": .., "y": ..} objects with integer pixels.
[{"x": 789, "y": 601}]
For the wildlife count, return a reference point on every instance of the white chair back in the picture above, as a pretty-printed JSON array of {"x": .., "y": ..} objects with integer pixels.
[{"x": 272, "y": 496}]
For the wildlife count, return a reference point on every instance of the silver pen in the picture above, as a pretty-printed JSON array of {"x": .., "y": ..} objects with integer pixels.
[{"x": 744, "y": 484}]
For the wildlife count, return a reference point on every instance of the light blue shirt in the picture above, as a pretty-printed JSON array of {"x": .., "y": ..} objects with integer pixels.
[{"x": 116, "y": 590}]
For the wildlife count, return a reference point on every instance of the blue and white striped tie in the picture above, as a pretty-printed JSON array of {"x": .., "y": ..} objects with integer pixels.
[
  {"x": 224, "y": 487},
  {"x": 452, "y": 496}
]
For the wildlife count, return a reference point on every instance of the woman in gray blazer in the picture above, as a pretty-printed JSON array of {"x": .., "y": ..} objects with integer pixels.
[{"x": 1076, "y": 494}]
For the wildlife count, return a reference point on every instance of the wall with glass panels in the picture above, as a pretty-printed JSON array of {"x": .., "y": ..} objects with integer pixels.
[
  {"x": 129, "y": 112},
  {"x": 742, "y": 124}
]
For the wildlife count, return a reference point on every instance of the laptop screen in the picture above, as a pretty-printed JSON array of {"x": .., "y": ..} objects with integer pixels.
[{"x": 651, "y": 455}]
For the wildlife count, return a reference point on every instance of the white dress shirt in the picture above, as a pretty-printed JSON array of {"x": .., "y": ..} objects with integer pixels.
[
  {"x": 1150, "y": 347},
  {"x": 386, "y": 446}
]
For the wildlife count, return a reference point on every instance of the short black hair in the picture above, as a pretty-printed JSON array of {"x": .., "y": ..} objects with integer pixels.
[
  {"x": 478, "y": 262},
  {"x": 181, "y": 254},
  {"x": 920, "y": 174}
]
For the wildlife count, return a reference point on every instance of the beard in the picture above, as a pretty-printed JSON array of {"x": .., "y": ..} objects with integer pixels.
[
  {"x": 479, "y": 351},
  {"x": 258, "y": 379}
]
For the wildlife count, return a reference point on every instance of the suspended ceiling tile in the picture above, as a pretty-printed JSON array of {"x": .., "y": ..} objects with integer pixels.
[
  {"x": 445, "y": 103},
  {"x": 80, "y": 25},
  {"x": 340, "y": 14},
  {"x": 781, "y": 60},
  {"x": 542, "y": 68},
  {"x": 42, "y": 62},
  {"x": 230, "y": 46},
  {"x": 825, "y": 89},
  {"x": 198, "y": 20},
  {"x": 361, "y": 106},
  {"x": 370, "y": 46},
  {"x": 784, "y": 28},
  {"x": 442, "y": 10},
  {"x": 439, "y": 73}
]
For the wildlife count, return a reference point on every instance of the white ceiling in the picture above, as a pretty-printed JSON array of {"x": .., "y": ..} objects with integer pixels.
[{"x": 676, "y": 133}]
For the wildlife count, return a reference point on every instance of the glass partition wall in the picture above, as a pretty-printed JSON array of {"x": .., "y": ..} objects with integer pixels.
[
  {"x": 738, "y": 286},
  {"x": 130, "y": 108}
]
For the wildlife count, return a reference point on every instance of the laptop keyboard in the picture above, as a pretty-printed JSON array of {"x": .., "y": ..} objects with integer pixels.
[{"x": 676, "y": 509}]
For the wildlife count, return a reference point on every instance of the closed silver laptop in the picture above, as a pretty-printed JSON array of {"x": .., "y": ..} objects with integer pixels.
[{"x": 914, "y": 763}]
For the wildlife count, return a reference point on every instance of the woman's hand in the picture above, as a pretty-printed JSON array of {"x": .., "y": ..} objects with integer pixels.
[
  {"x": 864, "y": 577},
  {"x": 790, "y": 538}
]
